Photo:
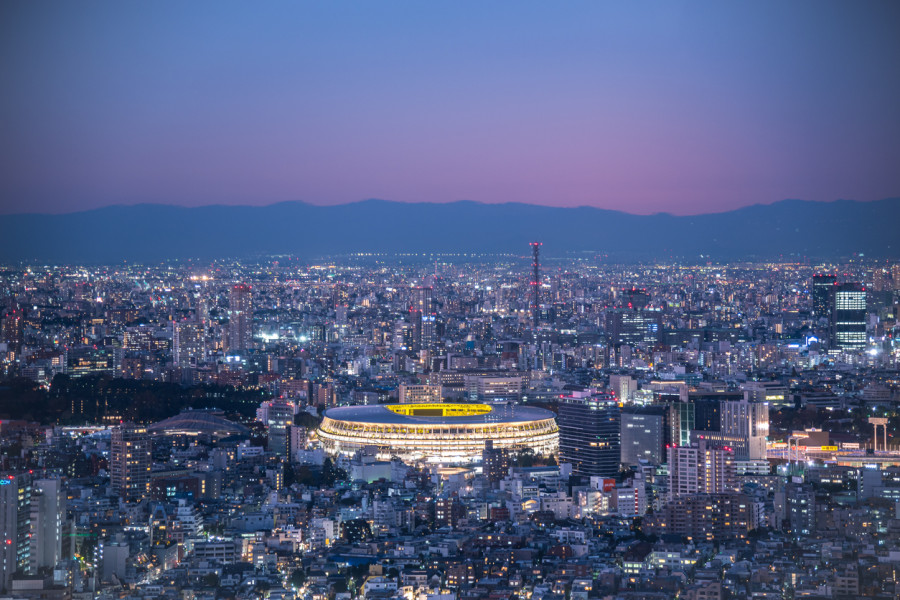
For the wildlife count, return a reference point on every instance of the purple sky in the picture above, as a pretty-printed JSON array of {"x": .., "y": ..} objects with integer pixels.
[{"x": 637, "y": 106}]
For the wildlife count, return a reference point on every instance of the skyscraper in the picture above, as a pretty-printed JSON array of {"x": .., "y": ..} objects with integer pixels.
[
  {"x": 188, "y": 343},
  {"x": 589, "y": 434},
  {"x": 821, "y": 294},
  {"x": 631, "y": 322},
  {"x": 279, "y": 420},
  {"x": 422, "y": 318},
  {"x": 15, "y": 526},
  {"x": 48, "y": 512},
  {"x": 848, "y": 317},
  {"x": 130, "y": 461},
  {"x": 240, "y": 319},
  {"x": 535, "y": 284}
]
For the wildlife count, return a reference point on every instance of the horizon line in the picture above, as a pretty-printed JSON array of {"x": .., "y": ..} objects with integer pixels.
[{"x": 420, "y": 202}]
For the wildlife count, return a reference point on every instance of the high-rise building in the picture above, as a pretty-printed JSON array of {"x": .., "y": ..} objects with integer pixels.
[
  {"x": 748, "y": 420},
  {"x": 708, "y": 408},
  {"x": 280, "y": 417},
  {"x": 422, "y": 318},
  {"x": 700, "y": 469},
  {"x": 240, "y": 319},
  {"x": 130, "y": 461},
  {"x": 821, "y": 294},
  {"x": 48, "y": 513},
  {"x": 495, "y": 462},
  {"x": 14, "y": 329},
  {"x": 15, "y": 526},
  {"x": 299, "y": 438},
  {"x": 535, "y": 291},
  {"x": 848, "y": 317},
  {"x": 188, "y": 344},
  {"x": 632, "y": 322},
  {"x": 682, "y": 420},
  {"x": 589, "y": 434},
  {"x": 645, "y": 433}
]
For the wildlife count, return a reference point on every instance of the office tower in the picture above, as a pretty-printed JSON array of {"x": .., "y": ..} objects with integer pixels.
[
  {"x": 535, "y": 284},
  {"x": 495, "y": 462},
  {"x": 130, "y": 461},
  {"x": 48, "y": 512},
  {"x": 188, "y": 344},
  {"x": 848, "y": 317},
  {"x": 15, "y": 526},
  {"x": 700, "y": 469},
  {"x": 589, "y": 434},
  {"x": 631, "y": 323},
  {"x": 645, "y": 433},
  {"x": 821, "y": 294},
  {"x": 748, "y": 421},
  {"x": 240, "y": 319},
  {"x": 420, "y": 394},
  {"x": 279, "y": 420},
  {"x": 422, "y": 318}
]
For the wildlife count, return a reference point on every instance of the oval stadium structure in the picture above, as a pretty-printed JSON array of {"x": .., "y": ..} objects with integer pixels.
[{"x": 438, "y": 433}]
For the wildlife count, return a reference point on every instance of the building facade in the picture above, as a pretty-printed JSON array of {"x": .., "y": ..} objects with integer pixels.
[
  {"x": 130, "y": 461},
  {"x": 589, "y": 434}
]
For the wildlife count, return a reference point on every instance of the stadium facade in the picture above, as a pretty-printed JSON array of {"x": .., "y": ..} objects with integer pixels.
[{"x": 448, "y": 434}]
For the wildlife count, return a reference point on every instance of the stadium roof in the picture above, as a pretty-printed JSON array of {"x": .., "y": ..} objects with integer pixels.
[
  {"x": 198, "y": 422},
  {"x": 386, "y": 414}
]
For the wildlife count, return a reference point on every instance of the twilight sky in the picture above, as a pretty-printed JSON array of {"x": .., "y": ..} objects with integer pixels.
[{"x": 684, "y": 107}]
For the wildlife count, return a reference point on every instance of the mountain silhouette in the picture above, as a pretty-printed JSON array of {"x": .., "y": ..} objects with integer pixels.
[{"x": 153, "y": 232}]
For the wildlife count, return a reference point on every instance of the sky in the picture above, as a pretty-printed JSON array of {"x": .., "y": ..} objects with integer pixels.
[{"x": 680, "y": 107}]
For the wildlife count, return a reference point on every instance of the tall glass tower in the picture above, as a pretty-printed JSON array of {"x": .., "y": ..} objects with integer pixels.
[{"x": 589, "y": 434}]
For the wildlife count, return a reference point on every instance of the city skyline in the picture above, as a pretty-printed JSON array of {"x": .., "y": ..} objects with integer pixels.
[
  {"x": 444, "y": 301},
  {"x": 684, "y": 108}
]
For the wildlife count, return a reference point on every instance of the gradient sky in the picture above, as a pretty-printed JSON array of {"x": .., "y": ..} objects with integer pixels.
[{"x": 684, "y": 107}]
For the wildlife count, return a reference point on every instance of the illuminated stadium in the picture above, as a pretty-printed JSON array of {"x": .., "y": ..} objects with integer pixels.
[{"x": 438, "y": 433}]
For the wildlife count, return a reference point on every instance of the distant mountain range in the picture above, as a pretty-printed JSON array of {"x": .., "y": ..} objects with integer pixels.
[{"x": 152, "y": 232}]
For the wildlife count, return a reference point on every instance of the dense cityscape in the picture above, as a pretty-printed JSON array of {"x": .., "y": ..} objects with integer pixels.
[{"x": 450, "y": 427}]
